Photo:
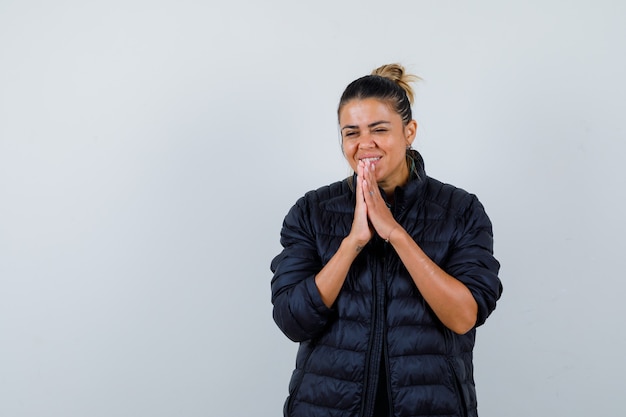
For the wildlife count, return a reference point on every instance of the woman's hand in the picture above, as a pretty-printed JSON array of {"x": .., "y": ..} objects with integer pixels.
[
  {"x": 361, "y": 230},
  {"x": 378, "y": 213},
  {"x": 449, "y": 298},
  {"x": 332, "y": 276}
]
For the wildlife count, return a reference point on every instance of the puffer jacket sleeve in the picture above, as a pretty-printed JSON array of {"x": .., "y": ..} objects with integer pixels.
[
  {"x": 298, "y": 307},
  {"x": 472, "y": 261}
]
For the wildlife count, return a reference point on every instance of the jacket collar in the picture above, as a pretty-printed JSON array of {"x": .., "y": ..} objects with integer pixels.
[{"x": 406, "y": 196}]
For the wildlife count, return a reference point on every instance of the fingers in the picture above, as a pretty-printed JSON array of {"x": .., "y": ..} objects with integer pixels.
[
  {"x": 359, "y": 183},
  {"x": 378, "y": 212},
  {"x": 360, "y": 226},
  {"x": 371, "y": 193}
]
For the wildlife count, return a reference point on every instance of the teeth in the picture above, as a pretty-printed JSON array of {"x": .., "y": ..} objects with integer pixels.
[{"x": 370, "y": 159}]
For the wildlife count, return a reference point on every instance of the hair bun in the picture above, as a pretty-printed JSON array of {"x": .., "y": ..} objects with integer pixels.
[{"x": 397, "y": 74}]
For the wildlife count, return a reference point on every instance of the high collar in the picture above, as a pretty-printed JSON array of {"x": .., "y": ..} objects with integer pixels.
[{"x": 404, "y": 196}]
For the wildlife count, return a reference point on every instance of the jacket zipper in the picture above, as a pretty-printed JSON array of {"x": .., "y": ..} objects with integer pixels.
[
  {"x": 388, "y": 378},
  {"x": 387, "y": 245},
  {"x": 385, "y": 350},
  {"x": 376, "y": 346}
]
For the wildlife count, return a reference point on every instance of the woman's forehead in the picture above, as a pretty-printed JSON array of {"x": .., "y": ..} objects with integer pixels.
[{"x": 363, "y": 112}]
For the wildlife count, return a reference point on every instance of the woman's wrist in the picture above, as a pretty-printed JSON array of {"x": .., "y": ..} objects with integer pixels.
[
  {"x": 392, "y": 232},
  {"x": 353, "y": 244}
]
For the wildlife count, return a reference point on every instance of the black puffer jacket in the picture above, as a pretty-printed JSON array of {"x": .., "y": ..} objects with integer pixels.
[{"x": 379, "y": 313}]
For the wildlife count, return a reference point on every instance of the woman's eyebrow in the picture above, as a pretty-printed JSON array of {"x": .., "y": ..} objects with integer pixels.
[
  {"x": 380, "y": 122},
  {"x": 373, "y": 124}
]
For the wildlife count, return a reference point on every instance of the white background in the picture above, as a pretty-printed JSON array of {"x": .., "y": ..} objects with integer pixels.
[{"x": 149, "y": 151}]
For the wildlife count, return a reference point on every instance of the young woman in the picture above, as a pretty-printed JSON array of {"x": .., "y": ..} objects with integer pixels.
[{"x": 384, "y": 276}]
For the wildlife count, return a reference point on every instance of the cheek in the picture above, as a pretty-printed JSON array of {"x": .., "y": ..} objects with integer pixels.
[
  {"x": 345, "y": 149},
  {"x": 348, "y": 152}
]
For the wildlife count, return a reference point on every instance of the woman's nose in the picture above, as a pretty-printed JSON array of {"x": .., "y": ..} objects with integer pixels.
[{"x": 366, "y": 141}]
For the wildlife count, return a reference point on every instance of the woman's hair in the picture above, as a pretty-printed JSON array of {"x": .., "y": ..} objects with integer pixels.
[{"x": 388, "y": 83}]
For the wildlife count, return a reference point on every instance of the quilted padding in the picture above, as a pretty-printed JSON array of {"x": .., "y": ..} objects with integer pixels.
[{"x": 380, "y": 314}]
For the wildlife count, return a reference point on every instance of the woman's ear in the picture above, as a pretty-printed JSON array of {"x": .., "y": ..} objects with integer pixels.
[{"x": 410, "y": 131}]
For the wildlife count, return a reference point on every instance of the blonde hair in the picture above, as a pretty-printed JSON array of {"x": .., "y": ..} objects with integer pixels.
[{"x": 397, "y": 74}]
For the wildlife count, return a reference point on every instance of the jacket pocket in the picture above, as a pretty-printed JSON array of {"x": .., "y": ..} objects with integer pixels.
[
  {"x": 457, "y": 385},
  {"x": 296, "y": 381}
]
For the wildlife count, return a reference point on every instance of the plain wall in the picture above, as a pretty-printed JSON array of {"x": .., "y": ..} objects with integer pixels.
[{"x": 149, "y": 151}]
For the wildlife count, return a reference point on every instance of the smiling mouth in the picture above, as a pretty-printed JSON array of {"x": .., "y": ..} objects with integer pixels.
[{"x": 370, "y": 160}]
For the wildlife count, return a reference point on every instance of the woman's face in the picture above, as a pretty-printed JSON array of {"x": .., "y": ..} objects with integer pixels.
[{"x": 371, "y": 130}]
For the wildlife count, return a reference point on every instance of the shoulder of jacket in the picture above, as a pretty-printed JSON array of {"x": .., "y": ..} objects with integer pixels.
[
  {"x": 454, "y": 199},
  {"x": 326, "y": 192}
]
